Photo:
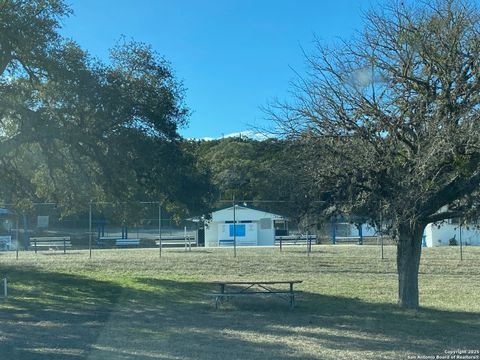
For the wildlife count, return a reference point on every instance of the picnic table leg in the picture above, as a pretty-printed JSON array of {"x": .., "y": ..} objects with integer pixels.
[
  {"x": 292, "y": 296},
  {"x": 219, "y": 298},
  {"x": 222, "y": 291}
]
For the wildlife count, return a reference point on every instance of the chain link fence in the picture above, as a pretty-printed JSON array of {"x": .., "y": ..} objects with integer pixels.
[
  {"x": 101, "y": 225},
  {"x": 46, "y": 226}
]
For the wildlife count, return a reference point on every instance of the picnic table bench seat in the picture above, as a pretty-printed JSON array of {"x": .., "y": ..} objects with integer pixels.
[
  {"x": 117, "y": 241},
  {"x": 176, "y": 241},
  {"x": 127, "y": 242}
]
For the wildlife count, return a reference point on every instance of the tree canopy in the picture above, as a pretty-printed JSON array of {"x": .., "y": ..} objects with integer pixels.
[
  {"x": 73, "y": 128},
  {"x": 265, "y": 174},
  {"x": 394, "y": 113}
]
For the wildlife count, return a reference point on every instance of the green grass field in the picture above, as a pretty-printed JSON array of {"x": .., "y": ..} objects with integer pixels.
[{"x": 130, "y": 304}]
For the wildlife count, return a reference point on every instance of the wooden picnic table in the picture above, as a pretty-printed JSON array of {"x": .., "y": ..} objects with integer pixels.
[{"x": 254, "y": 288}]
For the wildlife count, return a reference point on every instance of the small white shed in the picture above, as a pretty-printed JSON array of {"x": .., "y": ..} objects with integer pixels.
[
  {"x": 440, "y": 235},
  {"x": 252, "y": 227}
]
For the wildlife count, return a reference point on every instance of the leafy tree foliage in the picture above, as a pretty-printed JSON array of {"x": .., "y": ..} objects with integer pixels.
[
  {"x": 266, "y": 174},
  {"x": 74, "y": 129},
  {"x": 394, "y": 113}
]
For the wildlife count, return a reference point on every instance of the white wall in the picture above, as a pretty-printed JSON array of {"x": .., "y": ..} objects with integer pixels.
[
  {"x": 440, "y": 235},
  {"x": 215, "y": 231},
  {"x": 266, "y": 237},
  {"x": 211, "y": 234},
  {"x": 368, "y": 230},
  {"x": 249, "y": 238},
  {"x": 259, "y": 231}
]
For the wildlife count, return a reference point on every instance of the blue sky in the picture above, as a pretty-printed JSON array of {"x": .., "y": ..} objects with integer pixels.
[{"x": 233, "y": 56}]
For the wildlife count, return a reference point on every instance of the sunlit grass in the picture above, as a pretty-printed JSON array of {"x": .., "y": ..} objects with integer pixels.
[{"x": 132, "y": 304}]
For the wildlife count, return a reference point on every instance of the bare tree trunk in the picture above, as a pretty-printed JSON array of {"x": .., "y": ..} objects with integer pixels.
[{"x": 409, "y": 250}]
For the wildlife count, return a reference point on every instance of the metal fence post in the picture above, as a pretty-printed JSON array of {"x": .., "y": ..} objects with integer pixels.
[
  {"x": 90, "y": 231},
  {"x": 5, "y": 290},
  {"x": 17, "y": 238},
  {"x": 160, "y": 229},
  {"x": 461, "y": 244}
]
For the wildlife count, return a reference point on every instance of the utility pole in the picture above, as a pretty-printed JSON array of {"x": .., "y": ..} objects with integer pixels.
[
  {"x": 461, "y": 243},
  {"x": 234, "y": 230},
  {"x": 90, "y": 230},
  {"x": 159, "y": 229}
]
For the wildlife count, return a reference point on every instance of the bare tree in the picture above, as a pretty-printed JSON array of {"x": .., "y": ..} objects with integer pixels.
[{"x": 394, "y": 116}]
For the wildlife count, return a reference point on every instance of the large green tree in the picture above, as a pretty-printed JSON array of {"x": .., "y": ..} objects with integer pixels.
[
  {"x": 394, "y": 113},
  {"x": 265, "y": 173},
  {"x": 73, "y": 128}
]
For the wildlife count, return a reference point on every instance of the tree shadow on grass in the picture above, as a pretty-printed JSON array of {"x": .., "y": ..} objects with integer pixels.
[
  {"x": 52, "y": 315},
  {"x": 326, "y": 324},
  {"x": 61, "y": 316}
]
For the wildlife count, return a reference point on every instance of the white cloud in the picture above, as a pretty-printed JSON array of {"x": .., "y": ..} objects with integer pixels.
[
  {"x": 205, "y": 138},
  {"x": 249, "y": 134},
  {"x": 244, "y": 134}
]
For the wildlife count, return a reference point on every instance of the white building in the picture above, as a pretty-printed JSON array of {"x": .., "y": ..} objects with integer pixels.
[
  {"x": 440, "y": 235},
  {"x": 252, "y": 227}
]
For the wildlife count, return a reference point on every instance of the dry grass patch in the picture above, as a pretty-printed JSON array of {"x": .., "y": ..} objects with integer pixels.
[{"x": 129, "y": 304}]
